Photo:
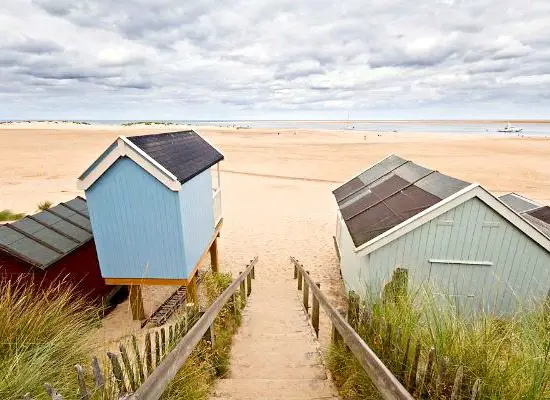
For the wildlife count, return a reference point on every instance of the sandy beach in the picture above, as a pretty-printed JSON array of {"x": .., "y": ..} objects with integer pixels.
[{"x": 276, "y": 188}]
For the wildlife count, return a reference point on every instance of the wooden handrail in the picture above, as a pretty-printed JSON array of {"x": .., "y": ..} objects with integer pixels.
[
  {"x": 386, "y": 383},
  {"x": 160, "y": 378}
]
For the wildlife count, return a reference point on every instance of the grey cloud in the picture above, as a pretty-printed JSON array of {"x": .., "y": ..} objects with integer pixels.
[{"x": 237, "y": 56}]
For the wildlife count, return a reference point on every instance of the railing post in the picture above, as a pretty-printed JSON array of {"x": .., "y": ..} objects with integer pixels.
[
  {"x": 295, "y": 272},
  {"x": 299, "y": 280},
  {"x": 253, "y": 272},
  {"x": 335, "y": 336},
  {"x": 243, "y": 292},
  {"x": 315, "y": 311},
  {"x": 249, "y": 284},
  {"x": 306, "y": 294}
]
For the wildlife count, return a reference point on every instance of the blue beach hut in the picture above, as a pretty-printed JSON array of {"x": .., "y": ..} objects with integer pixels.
[{"x": 155, "y": 210}]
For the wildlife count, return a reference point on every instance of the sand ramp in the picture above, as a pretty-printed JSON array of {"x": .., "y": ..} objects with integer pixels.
[{"x": 274, "y": 353}]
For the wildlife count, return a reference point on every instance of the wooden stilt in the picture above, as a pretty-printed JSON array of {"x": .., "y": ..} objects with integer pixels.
[
  {"x": 192, "y": 290},
  {"x": 136, "y": 303},
  {"x": 214, "y": 256}
]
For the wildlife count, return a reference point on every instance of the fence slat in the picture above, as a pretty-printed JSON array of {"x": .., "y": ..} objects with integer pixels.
[
  {"x": 83, "y": 393},
  {"x": 148, "y": 354},
  {"x": 98, "y": 376},
  {"x": 414, "y": 368},
  {"x": 315, "y": 312},
  {"x": 441, "y": 373},
  {"x": 139, "y": 361},
  {"x": 243, "y": 291},
  {"x": 405, "y": 360},
  {"x": 170, "y": 336},
  {"x": 299, "y": 280},
  {"x": 475, "y": 389},
  {"x": 52, "y": 392},
  {"x": 458, "y": 382},
  {"x": 163, "y": 342},
  {"x": 128, "y": 367},
  {"x": 427, "y": 379},
  {"x": 157, "y": 349},
  {"x": 248, "y": 284},
  {"x": 117, "y": 372}
]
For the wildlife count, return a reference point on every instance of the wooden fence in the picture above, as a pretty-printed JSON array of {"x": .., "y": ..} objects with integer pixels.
[
  {"x": 385, "y": 382},
  {"x": 409, "y": 378},
  {"x": 144, "y": 375}
]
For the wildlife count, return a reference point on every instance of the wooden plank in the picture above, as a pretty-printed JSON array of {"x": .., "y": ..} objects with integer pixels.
[
  {"x": 427, "y": 379},
  {"x": 242, "y": 289},
  {"x": 148, "y": 354},
  {"x": 306, "y": 295},
  {"x": 128, "y": 367},
  {"x": 161, "y": 377},
  {"x": 117, "y": 372},
  {"x": 455, "y": 394},
  {"x": 52, "y": 392},
  {"x": 315, "y": 313},
  {"x": 248, "y": 284},
  {"x": 299, "y": 280},
  {"x": 83, "y": 393},
  {"x": 138, "y": 360},
  {"x": 157, "y": 349},
  {"x": 192, "y": 289},
  {"x": 163, "y": 342},
  {"x": 214, "y": 256},
  {"x": 414, "y": 368},
  {"x": 475, "y": 389},
  {"x": 136, "y": 303},
  {"x": 441, "y": 374},
  {"x": 98, "y": 377}
]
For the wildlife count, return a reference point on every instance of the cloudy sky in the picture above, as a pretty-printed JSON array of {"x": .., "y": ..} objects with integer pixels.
[{"x": 260, "y": 59}]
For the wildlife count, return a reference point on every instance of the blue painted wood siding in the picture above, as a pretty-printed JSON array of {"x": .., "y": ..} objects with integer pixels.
[
  {"x": 472, "y": 231},
  {"x": 137, "y": 224},
  {"x": 197, "y": 210}
]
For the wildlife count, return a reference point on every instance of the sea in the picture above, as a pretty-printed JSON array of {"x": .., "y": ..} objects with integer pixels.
[
  {"x": 459, "y": 127},
  {"x": 530, "y": 128}
]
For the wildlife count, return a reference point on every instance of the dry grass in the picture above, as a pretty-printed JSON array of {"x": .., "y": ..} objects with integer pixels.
[{"x": 8, "y": 215}]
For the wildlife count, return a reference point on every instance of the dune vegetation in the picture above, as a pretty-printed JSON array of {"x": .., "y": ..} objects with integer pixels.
[{"x": 510, "y": 355}]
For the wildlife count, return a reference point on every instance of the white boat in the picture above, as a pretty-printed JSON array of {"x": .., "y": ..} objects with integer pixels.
[{"x": 509, "y": 128}]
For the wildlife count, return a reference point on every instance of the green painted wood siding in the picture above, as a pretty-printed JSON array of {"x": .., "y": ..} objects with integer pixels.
[{"x": 472, "y": 231}]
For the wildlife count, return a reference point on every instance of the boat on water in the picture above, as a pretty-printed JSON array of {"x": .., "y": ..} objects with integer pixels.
[{"x": 509, "y": 128}]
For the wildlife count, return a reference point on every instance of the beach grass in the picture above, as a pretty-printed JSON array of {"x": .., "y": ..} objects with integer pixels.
[
  {"x": 9, "y": 215},
  {"x": 42, "y": 338},
  {"x": 511, "y": 355},
  {"x": 206, "y": 363},
  {"x": 44, "y": 205}
]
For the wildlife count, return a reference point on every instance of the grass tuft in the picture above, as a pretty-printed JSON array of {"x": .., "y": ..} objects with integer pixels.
[
  {"x": 42, "y": 338},
  {"x": 44, "y": 205},
  {"x": 510, "y": 355},
  {"x": 8, "y": 215}
]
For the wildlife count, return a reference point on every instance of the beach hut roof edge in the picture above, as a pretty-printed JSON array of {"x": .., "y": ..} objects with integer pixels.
[
  {"x": 395, "y": 195},
  {"x": 44, "y": 238},
  {"x": 173, "y": 157}
]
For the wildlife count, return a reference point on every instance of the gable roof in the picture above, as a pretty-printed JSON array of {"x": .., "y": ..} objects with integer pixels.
[
  {"x": 45, "y": 238},
  {"x": 173, "y": 158},
  {"x": 389, "y": 193},
  {"x": 518, "y": 203},
  {"x": 474, "y": 190}
]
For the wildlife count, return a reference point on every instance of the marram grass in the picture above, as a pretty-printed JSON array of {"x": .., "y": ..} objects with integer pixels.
[
  {"x": 511, "y": 355},
  {"x": 8, "y": 215},
  {"x": 42, "y": 337}
]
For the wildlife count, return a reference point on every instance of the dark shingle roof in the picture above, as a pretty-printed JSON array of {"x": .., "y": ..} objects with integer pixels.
[
  {"x": 185, "y": 154},
  {"x": 389, "y": 193},
  {"x": 46, "y": 237}
]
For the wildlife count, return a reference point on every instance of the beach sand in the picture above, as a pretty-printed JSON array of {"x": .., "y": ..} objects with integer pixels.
[{"x": 276, "y": 188}]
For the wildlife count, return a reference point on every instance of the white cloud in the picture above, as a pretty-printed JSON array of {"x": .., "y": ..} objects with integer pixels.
[{"x": 240, "y": 58}]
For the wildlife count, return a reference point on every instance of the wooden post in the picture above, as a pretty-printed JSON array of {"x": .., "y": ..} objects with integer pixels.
[
  {"x": 315, "y": 312},
  {"x": 98, "y": 377},
  {"x": 335, "y": 336},
  {"x": 128, "y": 367},
  {"x": 295, "y": 272},
  {"x": 138, "y": 361},
  {"x": 117, "y": 372},
  {"x": 306, "y": 295},
  {"x": 83, "y": 393},
  {"x": 455, "y": 394},
  {"x": 248, "y": 284},
  {"x": 253, "y": 272},
  {"x": 192, "y": 290},
  {"x": 414, "y": 368},
  {"x": 299, "y": 280},
  {"x": 136, "y": 303},
  {"x": 214, "y": 256},
  {"x": 148, "y": 354},
  {"x": 243, "y": 292}
]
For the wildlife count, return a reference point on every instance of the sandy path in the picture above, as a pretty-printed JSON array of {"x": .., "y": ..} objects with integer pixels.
[{"x": 274, "y": 354}]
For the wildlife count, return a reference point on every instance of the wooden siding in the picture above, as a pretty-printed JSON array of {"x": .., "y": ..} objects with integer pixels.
[
  {"x": 472, "y": 231},
  {"x": 197, "y": 211},
  {"x": 137, "y": 224}
]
